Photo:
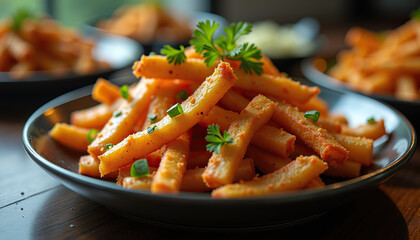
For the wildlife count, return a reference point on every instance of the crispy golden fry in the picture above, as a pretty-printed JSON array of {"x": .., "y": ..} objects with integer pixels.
[
  {"x": 267, "y": 137},
  {"x": 172, "y": 167},
  {"x": 266, "y": 162},
  {"x": 315, "y": 183},
  {"x": 317, "y": 138},
  {"x": 360, "y": 148},
  {"x": 105, "y": 92},
  {"x": 350, "y": 169},
  {"x": 119, "y": 126},
  {"x": 331, "y": 125},
  {"x": 302, "y": 149},
  {"x": 315, "y": 103},
  {"x": 137, "y": 183},
  {"x": 196, "y": 70},
  {"x": 406, "y": 88},
  {"x": 193, "y": 182},
  {"x": 234, "y": 101},
  {"x": 195, "y": 107},
  {"x": 291, "y": 177},
  {"x": 89, "y": 166},
  {"x": 94, "y": 117},
  {"x": 223, "y": 166},
  {"x": 369, "y": 130},
  {"x": 198, "y": 159},
  {"x": 70, "y": 136}
]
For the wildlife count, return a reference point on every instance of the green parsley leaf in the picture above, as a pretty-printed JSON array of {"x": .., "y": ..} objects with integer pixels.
[
  {"x": 108, "y": 146},
  {"x": 92, "y": 135},
  {"x": 152, "y": 118},
  {"x": 225, "y": 47},
  {"x": 415, "y": 14},
  {"x": 18, "y": 18},
  {"x": 175, "y": 110},
  {"x": 371, "y": 120},
  {"x": 314, "y": 115},
  {"x": 140, "y": 168},
  {"x": 117, "y": 113},
  {"x": 174, "y": 55},
  {"x": 182, "y": 95},
  {"x": 216, "y": 139},
  {"x": 124, "y": 92},
  {"x": 151, "y": 129}
]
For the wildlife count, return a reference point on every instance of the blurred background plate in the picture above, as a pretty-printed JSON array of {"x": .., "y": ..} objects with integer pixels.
[
  {"x": 409, "y": 108},
  {"x": 156, "y": 46},
  {"x": 118, "y": 51},
  {"x": 198, "y": 210}
]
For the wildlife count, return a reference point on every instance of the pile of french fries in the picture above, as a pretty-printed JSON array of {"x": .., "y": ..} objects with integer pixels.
[
  {"x": 387, "y": 63},
  {"x": 274, "y": 149},
  {"x": 41, "y": 44},
  {"x": 146, "y": 23}
]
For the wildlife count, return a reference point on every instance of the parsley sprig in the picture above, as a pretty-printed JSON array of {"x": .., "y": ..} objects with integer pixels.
[
  {"x": 224, "y": 47},
  {"x": 216, "y": 139}
]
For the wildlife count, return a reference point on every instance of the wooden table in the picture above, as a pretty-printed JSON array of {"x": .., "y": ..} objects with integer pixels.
[{"x": 35, "y": 206}]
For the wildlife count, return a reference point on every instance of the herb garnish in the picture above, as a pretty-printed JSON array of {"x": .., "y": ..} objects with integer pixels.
[
  {"x": 314, "y": 115},
  {"x": 151, "y": 129},
  {"x": 371, "y": 120},
  {"x": 92, "y": 135},
  {"x": 152, "y": 118},
  {"x": 140, "y": 168},
  {"x": 117, "y": 113},
  {"x": 224, "y": 47},
  {"x": 215, "y": 139},
  {"x": 175, "y": 110},
  {"x": 124, "y": 92},
  {"x": 182, "y": 95},
  {"x": 108, "y": 146}
]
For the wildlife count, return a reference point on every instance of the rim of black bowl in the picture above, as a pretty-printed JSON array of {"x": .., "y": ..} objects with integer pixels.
[
  {"x": 349, "y": 185},
  {"x": 331, "y": 83}
]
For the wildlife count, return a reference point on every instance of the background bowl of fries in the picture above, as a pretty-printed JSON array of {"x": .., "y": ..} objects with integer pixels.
[
  {"x": 152, "y": 25},
  {"x": 199, "y": 210},
  {"x": 382, "y": 65},
  {"x": 44, "y": 57}
]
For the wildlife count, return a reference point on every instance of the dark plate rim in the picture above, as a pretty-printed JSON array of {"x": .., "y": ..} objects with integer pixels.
[
  {"x": 331, "y": 83},
  {"x": 361, "y": 182}
]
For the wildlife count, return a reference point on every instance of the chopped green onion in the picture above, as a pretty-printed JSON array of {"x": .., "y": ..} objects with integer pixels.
[
  {"x": 314, "y": 115},
  {"x": 175, "y": 110},
  {"x": 182, "y": 95},
  {"x": 140, "y": 168},
  {"x": 117, "y": 113},
  {"x": 18, "y": 18},
  {"x": 371, "y": 120},
  {"x": 92, "y": 135},
  {"x": 152, "y": 118},
  {"x": 124, "y": 92},
  {"x": 108, "y": 146},
  {"x": 151, "y": 129}
]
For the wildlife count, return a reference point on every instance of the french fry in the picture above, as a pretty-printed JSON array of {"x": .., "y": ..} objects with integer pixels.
[
  {"x": 70, "y": 136},
  {"x": 291, "y": 177},
  {"x": 350, "y": 169},
  {"x": 234, "y": 101},
  {"x": 172, "y": 167},
  {"x": 406, "y": 88},
  {"x": 281, "y": 87},
  {"x": 198, "y": 159},
  {"x": 223, "y": 166},
  {"x": 89, "y": 166},
  {"x": 137, "y": 183},
  {"x": 317, "y": 138},
  {"x": 195, "y": 107},
  {"x": 119, "y": 126},
  {"x": 360, "y": 148},
  {"x": 369, "y": 130},
  {"x": 315, "y": 103},
  {"x": 105, "y": 92},
  {"x": 193, "y": 182},
  {"x": 266, "y": 162},
  {"x": 267, "y": 137},
  {"x": 94, "y": 117},
  {"x": 331, "y": 125},
  {"x": 315, "y": 183}
]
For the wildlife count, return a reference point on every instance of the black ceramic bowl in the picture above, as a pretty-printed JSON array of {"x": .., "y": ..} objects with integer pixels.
[
  {"x": 120, "y": 52},
  {"x": 408, "y": 108},
  {"x": 199, "y": 210}
]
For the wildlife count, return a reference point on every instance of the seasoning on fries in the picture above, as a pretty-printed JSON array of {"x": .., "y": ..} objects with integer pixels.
[{"x": 256, "y": 143}]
